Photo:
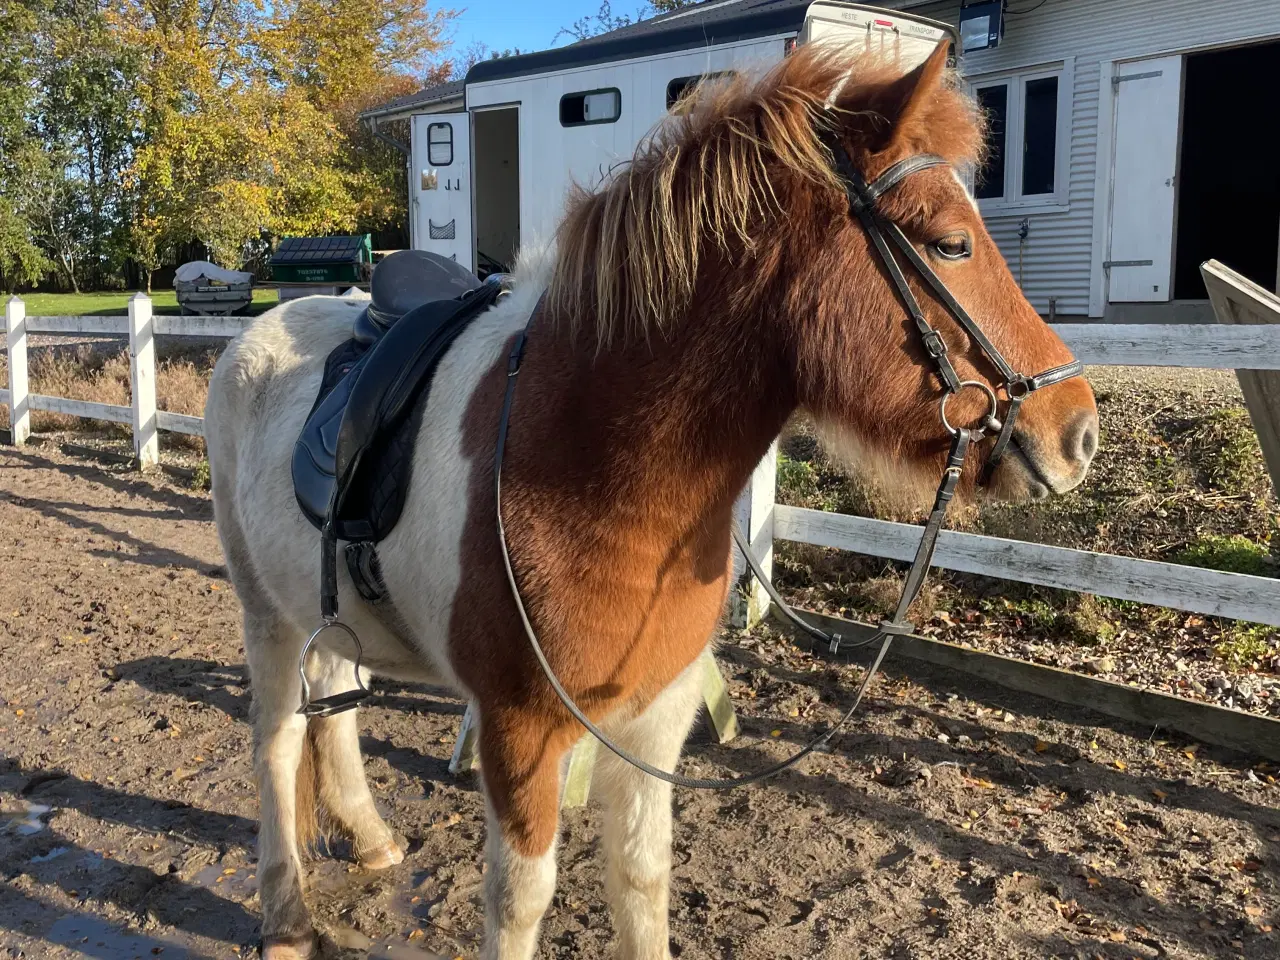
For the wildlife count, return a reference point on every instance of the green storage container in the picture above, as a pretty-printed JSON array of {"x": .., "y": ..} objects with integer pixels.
[{"x": 322, "y": 259}]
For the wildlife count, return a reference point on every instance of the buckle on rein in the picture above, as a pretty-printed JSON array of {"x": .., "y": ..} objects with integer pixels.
[{"x": 338, "y": 702}]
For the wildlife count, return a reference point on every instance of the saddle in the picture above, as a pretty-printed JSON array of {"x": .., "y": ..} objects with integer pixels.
[{"x": 352, "y": 463}]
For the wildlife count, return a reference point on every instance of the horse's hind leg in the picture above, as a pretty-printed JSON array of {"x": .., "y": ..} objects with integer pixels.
[
  {"x": 287, "y": 808},
  {"x": 343, "y": 790},
  {"x": 637, "y": 825}
]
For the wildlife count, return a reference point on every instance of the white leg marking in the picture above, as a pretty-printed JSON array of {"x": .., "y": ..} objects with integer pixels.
[
  {"x": 637, "y": 827},
  {"x": 517, "y": 892}
]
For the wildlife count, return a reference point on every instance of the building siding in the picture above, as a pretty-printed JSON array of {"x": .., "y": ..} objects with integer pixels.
[{"x": 1058, "y": 257}]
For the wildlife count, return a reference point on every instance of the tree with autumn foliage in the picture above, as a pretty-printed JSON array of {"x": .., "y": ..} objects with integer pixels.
[
  {"x": 131, "y": 130},
  {"x": 250, "y": 118}
]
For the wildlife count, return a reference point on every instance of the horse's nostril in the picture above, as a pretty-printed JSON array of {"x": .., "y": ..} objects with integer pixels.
[{"x": 1082, "y": 438}]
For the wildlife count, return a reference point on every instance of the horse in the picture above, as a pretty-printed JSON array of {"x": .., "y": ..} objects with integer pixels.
[{"x": 687, "y": 308}]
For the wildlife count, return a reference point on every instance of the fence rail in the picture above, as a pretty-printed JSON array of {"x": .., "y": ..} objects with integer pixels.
[
  {"x": 1252, "y": 345},
  {"x": 141, "y": 327}
]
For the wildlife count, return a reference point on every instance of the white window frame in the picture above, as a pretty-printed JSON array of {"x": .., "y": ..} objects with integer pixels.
[{"x": 1013, "y": 201}]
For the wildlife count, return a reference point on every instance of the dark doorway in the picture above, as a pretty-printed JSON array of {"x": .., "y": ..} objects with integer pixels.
[{"x": 1229, "y": 177}]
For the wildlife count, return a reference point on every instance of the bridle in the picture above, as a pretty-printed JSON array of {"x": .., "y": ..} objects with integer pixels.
[{"x": 863, "y": 197}]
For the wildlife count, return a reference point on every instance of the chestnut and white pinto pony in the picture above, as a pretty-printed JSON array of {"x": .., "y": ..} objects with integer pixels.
[{"x": 694, "y": 303}]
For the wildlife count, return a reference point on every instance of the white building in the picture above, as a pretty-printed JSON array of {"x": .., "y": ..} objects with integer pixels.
[
  {"x": 1139, "y": 138},
  {"x": 1131, "y": 139}
]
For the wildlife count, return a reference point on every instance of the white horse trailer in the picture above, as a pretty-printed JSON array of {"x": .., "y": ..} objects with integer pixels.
[{"x": 486, "y": 177}]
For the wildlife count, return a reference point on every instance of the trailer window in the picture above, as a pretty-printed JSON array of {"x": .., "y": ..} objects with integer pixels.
[
  {"x": 680, "y": 87},
  {"x": 590, "y": 106},
  {"x": 440, "y": 144}
]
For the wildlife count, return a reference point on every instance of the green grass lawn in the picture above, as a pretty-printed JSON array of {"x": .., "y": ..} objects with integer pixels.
[{"x": 115, "y": 303}]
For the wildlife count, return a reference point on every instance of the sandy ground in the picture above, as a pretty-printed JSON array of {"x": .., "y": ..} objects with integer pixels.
[{"x": 953, "y": 819}]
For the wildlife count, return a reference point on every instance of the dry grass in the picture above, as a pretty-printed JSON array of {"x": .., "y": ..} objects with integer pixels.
[{"x": 86, "y": 372}]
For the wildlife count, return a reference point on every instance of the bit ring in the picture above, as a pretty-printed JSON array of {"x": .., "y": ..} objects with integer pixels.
[{"x": 991, "y": 411}]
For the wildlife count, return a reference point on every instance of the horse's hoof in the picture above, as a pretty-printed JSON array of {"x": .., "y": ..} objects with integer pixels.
[
  {"x": 387, "y": 855},
  {"x": 290, "y": 948}
]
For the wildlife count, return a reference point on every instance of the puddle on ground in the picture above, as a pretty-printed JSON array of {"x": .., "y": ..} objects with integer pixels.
[
  {"x": 51, "y": 855},
  {"x": 103, "y": 941},
  {"x": 28, "y": 820},
  {"x": 230, "y": 882}
]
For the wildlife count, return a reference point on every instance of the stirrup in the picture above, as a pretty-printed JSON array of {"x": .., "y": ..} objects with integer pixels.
[{"x": 338, "y": 702}]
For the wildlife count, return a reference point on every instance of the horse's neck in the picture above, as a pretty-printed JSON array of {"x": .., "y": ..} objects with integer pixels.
[{"x": 669, "y": 430}]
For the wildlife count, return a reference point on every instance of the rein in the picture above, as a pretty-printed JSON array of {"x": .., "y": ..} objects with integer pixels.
[{"x": 862, "y": 197}]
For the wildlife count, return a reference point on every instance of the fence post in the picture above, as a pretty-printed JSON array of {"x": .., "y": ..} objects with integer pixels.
[
  {"x": 142, "y": 375},
  {"x": 754, "y": 512},
  {"x": 1238, "y": 300},
  {"x": 15, "y": 326}
]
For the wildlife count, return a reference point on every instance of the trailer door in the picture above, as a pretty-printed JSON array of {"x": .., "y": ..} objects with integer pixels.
[{"x": 441, "y": 185}]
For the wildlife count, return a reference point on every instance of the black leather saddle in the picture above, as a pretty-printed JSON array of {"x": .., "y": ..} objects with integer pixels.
[{"x": 352, "y": 462}]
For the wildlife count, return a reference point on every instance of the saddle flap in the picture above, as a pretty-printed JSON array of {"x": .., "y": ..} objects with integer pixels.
[{"x": 351, "y": 463}]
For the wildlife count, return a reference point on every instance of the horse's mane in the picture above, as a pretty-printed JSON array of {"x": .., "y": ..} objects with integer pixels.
[{"x": 628, "y": 254}]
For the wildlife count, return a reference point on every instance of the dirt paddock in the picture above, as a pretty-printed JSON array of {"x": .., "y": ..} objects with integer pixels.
[{"x": 953, "y": 819}]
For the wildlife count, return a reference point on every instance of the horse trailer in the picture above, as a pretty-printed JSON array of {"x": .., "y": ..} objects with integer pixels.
[{"x": 492, "y": 158}]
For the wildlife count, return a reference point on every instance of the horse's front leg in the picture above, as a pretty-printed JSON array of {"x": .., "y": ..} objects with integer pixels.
[
  {"x": 637, "y": 825},
  {"x": 520, "y": 761}
]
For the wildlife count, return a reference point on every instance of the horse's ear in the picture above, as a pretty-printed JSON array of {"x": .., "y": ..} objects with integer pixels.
[{"x": 906, "y": 102}]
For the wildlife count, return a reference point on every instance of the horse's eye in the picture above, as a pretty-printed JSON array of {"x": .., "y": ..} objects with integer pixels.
[{"x": 954, "y": 246}]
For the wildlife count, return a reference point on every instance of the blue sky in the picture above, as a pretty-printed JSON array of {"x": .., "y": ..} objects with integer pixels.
[{"x": 527, "y": 24}]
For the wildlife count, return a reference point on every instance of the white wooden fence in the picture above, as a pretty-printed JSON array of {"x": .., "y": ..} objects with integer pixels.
[
  {"x": 141, "y": 327},
  {"x": 1234, "y": 345}
]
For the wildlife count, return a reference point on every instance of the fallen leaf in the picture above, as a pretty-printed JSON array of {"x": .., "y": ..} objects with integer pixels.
[
  {"x": 775, "y": 733},
  {"x": 1041, "y": 746},
  {"x": 1253, "y": 910},
  {"x": 1159, "y": 794},
  {"x": 1120, "y": 765}
]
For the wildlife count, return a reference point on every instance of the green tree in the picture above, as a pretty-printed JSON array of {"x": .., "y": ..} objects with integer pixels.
[{"x": 85, "y": 111}]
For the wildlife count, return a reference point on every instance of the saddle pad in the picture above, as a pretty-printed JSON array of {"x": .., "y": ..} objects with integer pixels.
[{"x": 352, "y": 462}]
